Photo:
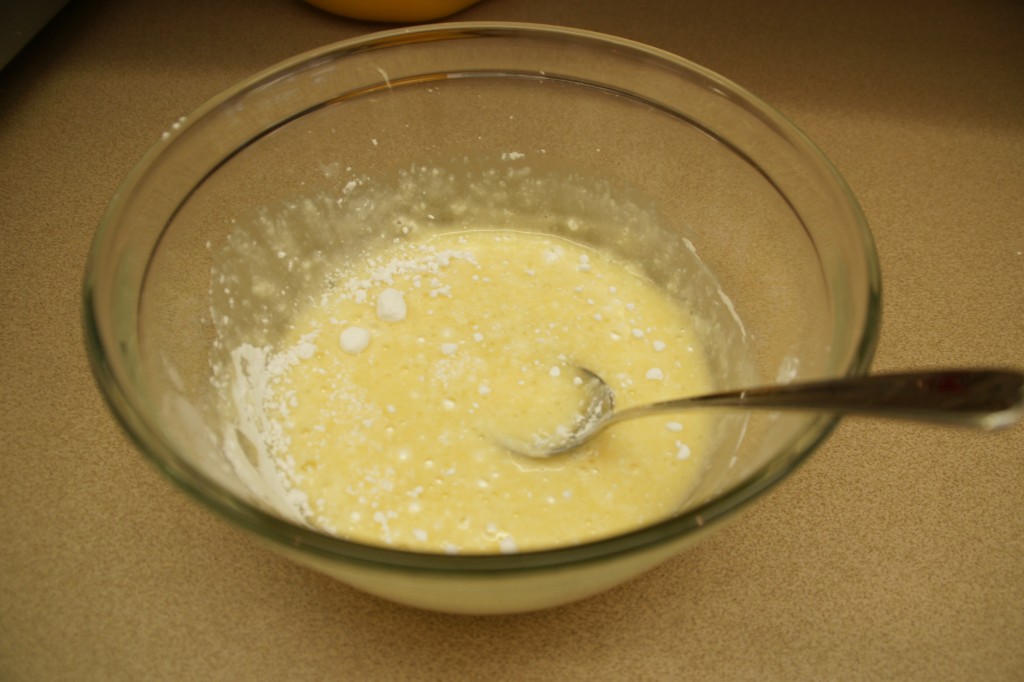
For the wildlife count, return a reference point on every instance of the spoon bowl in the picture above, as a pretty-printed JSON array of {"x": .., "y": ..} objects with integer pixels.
[{"x": 986, "y": 399}]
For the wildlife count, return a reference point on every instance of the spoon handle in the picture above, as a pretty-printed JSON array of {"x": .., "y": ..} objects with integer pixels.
[{"x": 989, "y": 399}]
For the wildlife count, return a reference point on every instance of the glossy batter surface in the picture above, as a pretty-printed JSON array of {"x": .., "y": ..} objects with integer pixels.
[{"x": 387, "y": 403}]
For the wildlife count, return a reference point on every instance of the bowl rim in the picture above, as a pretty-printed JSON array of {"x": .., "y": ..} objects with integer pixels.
[{"x": 293, "y": 537}]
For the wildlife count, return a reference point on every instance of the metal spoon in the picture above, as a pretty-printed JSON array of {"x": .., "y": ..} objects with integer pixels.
[{"x": 988, "y": 399}]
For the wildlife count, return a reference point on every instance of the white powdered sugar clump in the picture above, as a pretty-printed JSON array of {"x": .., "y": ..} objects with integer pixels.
[
  {"x": 391, "y": 305},
  {"x": 354, "y": 339}
]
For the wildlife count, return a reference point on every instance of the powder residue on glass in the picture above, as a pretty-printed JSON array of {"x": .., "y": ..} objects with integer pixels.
[{"x": 382, "y": 404}]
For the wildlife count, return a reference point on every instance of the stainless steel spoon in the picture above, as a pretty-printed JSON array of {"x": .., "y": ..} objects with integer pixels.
[{"x": 988, "y": 399}]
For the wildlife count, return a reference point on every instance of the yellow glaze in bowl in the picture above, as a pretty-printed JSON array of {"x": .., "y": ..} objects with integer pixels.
[{"x": 312, "y": 145}]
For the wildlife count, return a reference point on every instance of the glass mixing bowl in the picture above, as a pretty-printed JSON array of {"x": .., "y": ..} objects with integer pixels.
[{"x": 754, "y": 228}]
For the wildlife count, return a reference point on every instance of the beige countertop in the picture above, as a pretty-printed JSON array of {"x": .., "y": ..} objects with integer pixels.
[{"x": 896, "y": 552}]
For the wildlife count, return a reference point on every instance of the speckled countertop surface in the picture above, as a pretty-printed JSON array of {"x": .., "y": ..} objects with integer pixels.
[{"x": 897, "y": 552}]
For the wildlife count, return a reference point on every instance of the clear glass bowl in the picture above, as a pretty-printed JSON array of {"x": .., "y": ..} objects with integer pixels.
[{"x": 730, "y": 179}]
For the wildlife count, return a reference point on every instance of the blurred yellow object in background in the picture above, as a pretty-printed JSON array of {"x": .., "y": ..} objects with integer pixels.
[{"x": 401, "y": 11}]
